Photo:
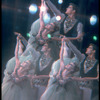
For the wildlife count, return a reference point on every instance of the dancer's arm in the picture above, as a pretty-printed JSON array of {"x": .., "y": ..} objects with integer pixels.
[
  {"x": 79, "y": 55},
  {"x": 16, "y": 51},
  {"x": 97, "y": 72},
  {"x": 87, "y": 78},
  {"x": 21, "y": 46},
  {"x": 62, "y": 65},
  {"x": 54, "y": 9},
  {"x": 16, "y": 57},
  {"x": 81, "y": 79},
  {"x": 80, "y": 33},
  {"x": 42, "y": 24},
  {"x": 23, "y": 40},
  {"x": 76, "y": 38}
]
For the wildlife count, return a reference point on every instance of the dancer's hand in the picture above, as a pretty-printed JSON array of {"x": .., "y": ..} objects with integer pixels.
[
  {"x": 42, "y": 0},
  {"x": 18, "y": 38},
  {"x": 18, "y": 34},
  {"x": 38, "y": 36},
  {"x": 58, "y": 76},
  {"x": 64, "y": 81},
  {"x": 65, "y": 39}
]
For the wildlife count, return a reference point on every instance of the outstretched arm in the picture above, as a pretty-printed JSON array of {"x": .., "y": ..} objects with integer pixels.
[
  {"x": 62, "y": 65},
  {"x": 82, "y": 79},
  {"x": 80, "y": 32},
  {"x": 79, "y": 37},
  {"x": 41, "y": 14},
  {"x": 86, "y": 78},
  {"x": 21, "y": 46},
  {"x": 16, "y": 56},
  {"x": 61, "y": 50},
  {"x": 79, "y": 55},
  {"x": 76, "y": 38},
  {"x": 16, "y": 50},
  {"x": 54, "y": 9},
  {"x": 23, "y": 40},
  {"x": 42, "y": 24}
]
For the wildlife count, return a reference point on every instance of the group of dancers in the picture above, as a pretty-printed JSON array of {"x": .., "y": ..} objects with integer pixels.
[{"x": 52, "y": 66}]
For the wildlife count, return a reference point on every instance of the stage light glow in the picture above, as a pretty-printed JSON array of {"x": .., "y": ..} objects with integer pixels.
[
  {"x": 46, "y": 18},
  {"x": 28, "y": 35},
  {"x": 95, "y": 38},
  {"x": 93, "y": 19},
  {"x": 42, "y": 8},
  {"x": 33, "y": 8},
  {"x": 49, "y": 36},
  {"x": 60, "y": 1},
  {"x": 58, "y": 18}
]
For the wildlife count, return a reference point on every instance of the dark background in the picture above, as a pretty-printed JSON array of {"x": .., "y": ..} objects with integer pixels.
[{"x": 16, "y": 18}]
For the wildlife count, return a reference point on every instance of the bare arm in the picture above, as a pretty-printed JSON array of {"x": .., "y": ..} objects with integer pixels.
[
  {"x": 21, "y": 46},
  {"x": 62, "y": 65},
  {"x": 16, "y": 57},
  {"x": 82, "y": 79},
  {"x": 16, "y": 51},
  {"x": 86, "y": 78},
  {"x": 41, "y": 15},
  {"x": 61, "y": 50},
  {"x": 79, "y": 36},
  {"x": 54, "y": 9},
  {"x": 76, "y": 38},
  {"x": 42, "y": 24},
  {"x": 80, "y": 33},
  {"x": 23, "y": 40},
  {"x": 79, "y": 55},
  {"x": 97, "y": 72}
]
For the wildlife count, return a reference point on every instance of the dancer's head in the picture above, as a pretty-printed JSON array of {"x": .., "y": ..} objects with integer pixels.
[
  {"x": 71, "y": 9},
  {"x": 26, "y": 63},
  {"x": 71, "y": 66},
  {"x": 52, "y": 26},
  {"x": 91, "y": 49}
]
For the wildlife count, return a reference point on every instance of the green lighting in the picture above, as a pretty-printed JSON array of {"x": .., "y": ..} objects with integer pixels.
[
  {"x": 49, "y": 35},
  {"x": 95, "y": 38},
  {"x": 28, "y": 35}
]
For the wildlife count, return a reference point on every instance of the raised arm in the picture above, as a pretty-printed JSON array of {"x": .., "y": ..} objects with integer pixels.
[
  {"x": 61, "y": 50},
  {"x": 23, "y": 40},
  {"x": 21, "y": 46},
  {"x": 79, "y": 55},
  {"x": 16, "y": 57},
  {"x": 16, "y": 49},
  {"x": 62, "y": 65},
  {"x": 54, "y": 9},
  {"x": 42, "y": 24}
]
